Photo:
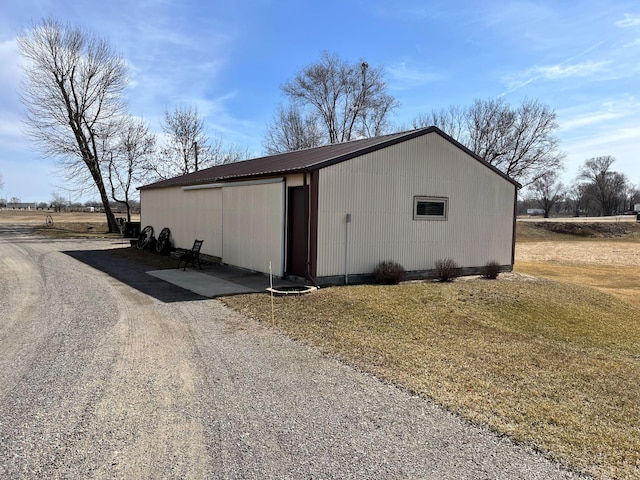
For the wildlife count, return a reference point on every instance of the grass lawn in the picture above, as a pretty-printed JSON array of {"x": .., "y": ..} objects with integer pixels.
[{"x": 552, "y": 364}]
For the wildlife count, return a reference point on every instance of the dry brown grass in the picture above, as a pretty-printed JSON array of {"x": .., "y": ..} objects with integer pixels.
[
  {"x": 38, "y": 217},
  {"x": 607, "y": 264},
  {"x": 65, "y": 224},
  {"x": 76, "y": 230},
  {"x": 550, "y": 358},
  {"x": 550, "y": 364},
  {"x": 620, "y": 281}
]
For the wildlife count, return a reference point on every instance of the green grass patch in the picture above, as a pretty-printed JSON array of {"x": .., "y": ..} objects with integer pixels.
[{"x": 551, "y": 364}]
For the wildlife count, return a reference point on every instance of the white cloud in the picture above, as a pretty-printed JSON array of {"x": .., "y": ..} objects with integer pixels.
[
  {"x": 588, "y": 119},
  {"x": 407, "y": 10},
  {"x": 560, "y": 71},
  {"x": 10, "y": 61},
  {"x": 611, "y": 113},
  {"x": 629, "y": 21},
  {"x": 404, "y": 75},
  {"x": 516, "y": 14},
  {"x": 11, "y": 134},
  {"x": 606, "y": 127},
  {"x": 620, "y": 142}
]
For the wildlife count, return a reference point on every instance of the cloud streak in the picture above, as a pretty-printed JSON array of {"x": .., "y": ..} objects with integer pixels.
[
  {"x": 629, "y": 21},
  {"x": 558, "y": 71},
  {"x": 406, "y": 76}
]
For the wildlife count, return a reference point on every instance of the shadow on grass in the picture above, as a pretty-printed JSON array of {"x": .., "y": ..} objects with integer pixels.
[{"x": 134, "y": 274}]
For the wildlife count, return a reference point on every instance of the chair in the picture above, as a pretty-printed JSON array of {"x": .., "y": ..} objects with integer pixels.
[{"x": 192, "y": 256}]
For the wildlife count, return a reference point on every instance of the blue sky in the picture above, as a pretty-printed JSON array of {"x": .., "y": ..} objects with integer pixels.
[{"x": 230, "y": 58}]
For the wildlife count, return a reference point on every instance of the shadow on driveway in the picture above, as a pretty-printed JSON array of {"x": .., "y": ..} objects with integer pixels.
[
  {"x": 176, "y": 285},
  {"x": 134, "y": 274}
]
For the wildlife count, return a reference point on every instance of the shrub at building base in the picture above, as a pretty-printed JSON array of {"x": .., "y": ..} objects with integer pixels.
[
  {"x": 447, "y": 270},
  {"x": 389, "y": 273},
  {"x": 491, "y": 270}
]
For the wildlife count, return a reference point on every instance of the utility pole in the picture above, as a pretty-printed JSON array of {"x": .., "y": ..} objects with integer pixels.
[{"x": 195, "y": 147}]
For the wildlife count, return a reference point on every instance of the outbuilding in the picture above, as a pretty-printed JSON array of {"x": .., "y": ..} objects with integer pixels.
[{"x": 332, "y": 213}]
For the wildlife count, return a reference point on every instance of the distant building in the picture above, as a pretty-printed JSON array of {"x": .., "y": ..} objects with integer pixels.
[
  {"x": 535, "y": 211},
  {"x": 22, "y": 205}
]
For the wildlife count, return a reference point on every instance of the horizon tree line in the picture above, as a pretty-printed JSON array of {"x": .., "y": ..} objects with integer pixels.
[{"x": 76, "y": 113}]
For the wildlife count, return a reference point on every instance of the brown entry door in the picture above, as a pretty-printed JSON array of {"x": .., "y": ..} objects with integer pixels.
[{"x": 297, "y": 232}]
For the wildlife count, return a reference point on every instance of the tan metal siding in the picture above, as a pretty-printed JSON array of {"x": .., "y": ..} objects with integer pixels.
[
  {"x": 295, "y": 180},
  {"x": 253, "y": 225},
  {"x": 189, "y": 214},
  {"x": 377, "y": 189}
]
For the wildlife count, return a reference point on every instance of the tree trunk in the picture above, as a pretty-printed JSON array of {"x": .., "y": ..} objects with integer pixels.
[{"x": 111, "y": 218}]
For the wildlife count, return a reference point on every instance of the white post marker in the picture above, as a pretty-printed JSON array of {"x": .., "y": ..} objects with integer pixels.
[{"x": 271, "y": 291}]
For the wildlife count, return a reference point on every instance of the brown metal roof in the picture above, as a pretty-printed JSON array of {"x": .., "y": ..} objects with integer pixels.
[{"x": 304, "y": 160}]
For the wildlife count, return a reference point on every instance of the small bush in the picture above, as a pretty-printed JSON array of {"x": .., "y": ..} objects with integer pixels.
[
  {"x": 389, "y": 273},
  {"x": 491, "y": 270},
  {"x": 447, "y": 270}
]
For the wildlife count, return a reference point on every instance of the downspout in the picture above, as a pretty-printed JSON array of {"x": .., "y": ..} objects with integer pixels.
[
  {"x": 515, "y": 216},
  {"x": 285, "y": 216},
  {"x": 346, "y": 248},
  {"x": 305, "y": 187},
  {"x": 307, "y": 205}
]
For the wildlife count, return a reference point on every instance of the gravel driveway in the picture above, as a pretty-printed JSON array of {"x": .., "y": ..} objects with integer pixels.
[{"x": 99, "y": 380}]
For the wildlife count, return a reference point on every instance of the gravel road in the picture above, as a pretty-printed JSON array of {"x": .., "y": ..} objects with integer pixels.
[{"x": 99, "y": 380}]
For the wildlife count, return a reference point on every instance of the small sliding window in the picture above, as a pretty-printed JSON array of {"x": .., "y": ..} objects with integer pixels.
[{"x": 430, "y": 208}]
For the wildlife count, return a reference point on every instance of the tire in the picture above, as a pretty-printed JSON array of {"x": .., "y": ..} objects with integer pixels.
[
  {"x": 145, "y": 237},
  {"x": 163, "y": 240}
]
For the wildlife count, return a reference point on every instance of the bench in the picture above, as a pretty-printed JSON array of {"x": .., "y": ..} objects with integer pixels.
[{"x": 192, "y": 256}]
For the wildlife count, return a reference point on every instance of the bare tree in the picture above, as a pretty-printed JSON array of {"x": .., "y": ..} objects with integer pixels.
[
  {"x": 187, "y": 146},
  {"x": 128, "y": 160},
  {"x": 578, "y": 198},
  {"x": 1, "y": 182},
  {"x": 547, "y": 191},
  {"x": 290, "y": 130},
  {"x": 632, "y": 197},
  {"x": 186, "y": 138},
  {"x": 609, "y": 188},
  {"x": 346, "y": 100},
  {"x": 58, "y": 202},
  {"x": 519, "y": 141},
  {"x": 73, "y": 92},
  {"x": 219, "y": 152},
  {"x": 451, "y": 120}
]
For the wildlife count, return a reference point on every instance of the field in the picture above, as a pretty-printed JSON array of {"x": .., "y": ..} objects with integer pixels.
[
  {"x": 601, "y": 256},
  {"x": 62, "y": 224}
]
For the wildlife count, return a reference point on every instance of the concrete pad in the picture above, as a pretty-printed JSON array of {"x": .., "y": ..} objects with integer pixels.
[{"x": 201, "y": 283}]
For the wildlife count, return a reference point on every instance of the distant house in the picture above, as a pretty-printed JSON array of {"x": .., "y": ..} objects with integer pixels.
[
  {"x": 22, "y": 205},
  {"x": 336, "y": 211},
  {"x": 535, "y": 211}
]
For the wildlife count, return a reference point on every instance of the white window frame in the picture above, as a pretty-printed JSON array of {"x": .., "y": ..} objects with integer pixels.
[{"x": 444, "y": 200}]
